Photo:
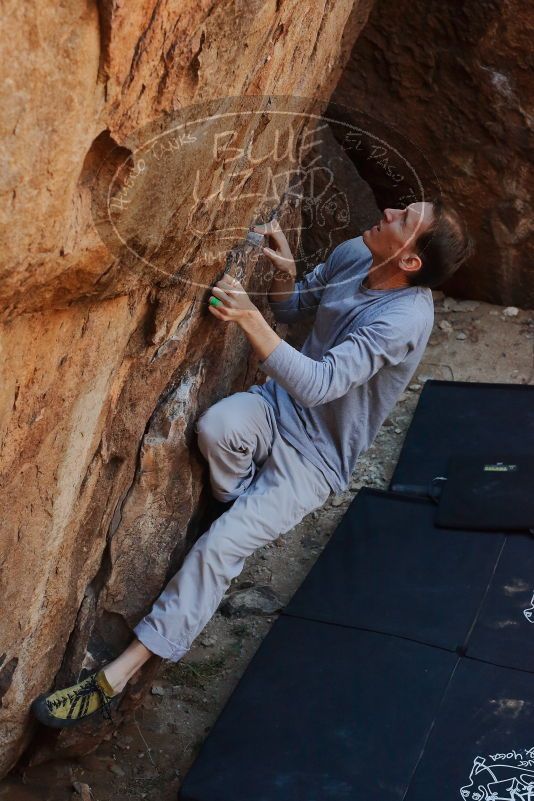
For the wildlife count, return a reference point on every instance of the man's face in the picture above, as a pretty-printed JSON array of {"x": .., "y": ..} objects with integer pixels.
[{"x": 394, "y": 236}]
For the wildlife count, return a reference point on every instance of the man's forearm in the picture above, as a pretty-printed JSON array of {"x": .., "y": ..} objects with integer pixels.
[
  {"x": 282, "y": 287},
  {"x": 260, "y": 334}
]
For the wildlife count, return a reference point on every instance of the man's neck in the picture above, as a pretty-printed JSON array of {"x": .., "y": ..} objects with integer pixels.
[{"x": 385, "y": 276}]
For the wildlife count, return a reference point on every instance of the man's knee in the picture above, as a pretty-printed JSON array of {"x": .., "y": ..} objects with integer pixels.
[
  {"x": 210, "y": 427},
  {"x": 215, "y": 425}
]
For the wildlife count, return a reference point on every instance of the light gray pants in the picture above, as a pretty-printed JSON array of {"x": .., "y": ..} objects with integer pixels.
[{"x": 275, "y": 487}]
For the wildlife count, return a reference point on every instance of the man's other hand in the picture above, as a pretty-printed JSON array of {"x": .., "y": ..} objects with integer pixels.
[{"x": 279, "y": 254}]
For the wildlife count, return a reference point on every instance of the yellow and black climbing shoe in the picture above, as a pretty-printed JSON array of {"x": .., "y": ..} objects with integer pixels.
[{"x": 76, "y": 704}]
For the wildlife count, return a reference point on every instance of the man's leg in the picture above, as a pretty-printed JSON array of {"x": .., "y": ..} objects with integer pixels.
[
  {"x": 286, "y": 488},
  {"x": 237, "y": 437}
]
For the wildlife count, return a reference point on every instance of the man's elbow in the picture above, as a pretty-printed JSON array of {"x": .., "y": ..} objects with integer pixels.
[
  {"x": 318, "y": 392},
  {"x": 310, "y": 400}
]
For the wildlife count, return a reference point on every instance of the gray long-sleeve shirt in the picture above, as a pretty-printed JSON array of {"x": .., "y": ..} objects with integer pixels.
[{"x": 331, "y": 398}]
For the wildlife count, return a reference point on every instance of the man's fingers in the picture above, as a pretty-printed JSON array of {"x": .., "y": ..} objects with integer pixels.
[
  {"x": 278, "y": 259},
  {"x": 272, "y": 229},
  {"x": 222, "y": 312},
  {"x": 216, "y": 312},
  {"x": 231, "y": 285},
  {"x": 229, "y": 281},
  {"x": 218, "y": 292}
]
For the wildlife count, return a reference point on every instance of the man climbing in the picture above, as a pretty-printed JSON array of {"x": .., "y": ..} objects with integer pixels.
[{"x": 279, "y": 449}]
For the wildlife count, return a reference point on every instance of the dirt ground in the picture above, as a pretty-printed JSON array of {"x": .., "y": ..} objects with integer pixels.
[{"x": 149, "y": 756}]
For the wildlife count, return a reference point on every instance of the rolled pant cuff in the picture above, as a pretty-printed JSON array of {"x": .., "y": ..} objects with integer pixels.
[{"x": 157, "y": 643}]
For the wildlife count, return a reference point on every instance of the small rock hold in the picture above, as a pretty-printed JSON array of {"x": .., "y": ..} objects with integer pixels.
[
  {"x": 207, "y": 642},
  {"x": 338, "y": 500},
  {"x": 397, "y": 431},
  {"x": 461, "y": 335},
  {"x": 466, "y": 305},
  {"x": 450, "y": 304},
  {"x": 83, "y": 790},
  {"x": 157, "y": 690},
  {"x": 511, "y": 311},
  {"x": 117, "y": 770},
  {"x": 414, "y": 387},
  {"x": 259, "y": 600},
  {"x": 445, "y": 325}
]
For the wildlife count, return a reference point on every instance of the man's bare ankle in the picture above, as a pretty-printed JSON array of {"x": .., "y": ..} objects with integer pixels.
[
  {"x": 119, "y": 672},
  {"x": 116, "y": 682}
]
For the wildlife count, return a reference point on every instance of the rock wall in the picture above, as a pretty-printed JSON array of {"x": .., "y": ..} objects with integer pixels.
[
  {"x": 108, "y": 353},
  {"x": 456, "y": 79}
]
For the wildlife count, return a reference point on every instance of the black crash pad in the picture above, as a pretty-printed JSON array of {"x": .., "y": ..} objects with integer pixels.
[
  {"x": 387, "y": 568},
  {"x": 483, "y": 494},
  {"x": 459, "y": 416},
  {"x": 504, "y": 631},
  {"x": 403, "y": 666},
  {"x": 323, "y": 713},
  {"x": 482, "y": 745}
]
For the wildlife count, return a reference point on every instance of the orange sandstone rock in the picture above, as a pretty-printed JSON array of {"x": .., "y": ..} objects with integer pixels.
[{"x": 108, "y": 351}]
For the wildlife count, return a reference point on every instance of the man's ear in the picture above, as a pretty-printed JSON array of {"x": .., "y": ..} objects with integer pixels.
[{"x": 410, "y": 262}]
